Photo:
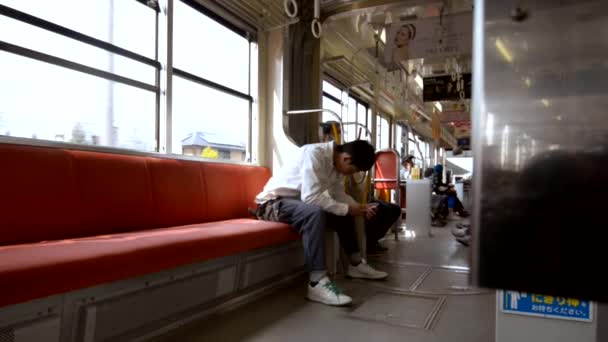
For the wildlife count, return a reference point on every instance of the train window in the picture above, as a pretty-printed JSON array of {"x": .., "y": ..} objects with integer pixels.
[
  {"x": 361, "y": 119},
  {"x": 332, "y": 90},
  {"x": 212, "y": 102},
  {"x": 382, "y": 133},
  {"x": 50, "y": 43},
  {"x": 124, "y": 23},
  {"x": 206, "y": 48},
  {"x": 208, "y": 123},
  {"x": 351, "y": 116},
  {"x": 399, "y": 140},
  {"x": 332, "y": 101},
  {"x": 332, "y": 105},
  {"x": 348, "y": 108},
  {"x": 66, "y": 78},
  {"x": 43, "y": 101}
]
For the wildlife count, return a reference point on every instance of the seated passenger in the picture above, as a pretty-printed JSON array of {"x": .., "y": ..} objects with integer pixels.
[
  {"x": 308, "y": 194},
  {"x": 462, "y": 233},
  {"x": 439, "y": 208},
  {"x": 386, "y": 213},
  {"x": 406, "y": 168},
  {"x": 440, "y": 188},
  {"x": 377, "y": 226}
]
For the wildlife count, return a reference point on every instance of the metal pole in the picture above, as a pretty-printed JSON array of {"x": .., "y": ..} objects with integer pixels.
[{"x": 309, "y": 111}]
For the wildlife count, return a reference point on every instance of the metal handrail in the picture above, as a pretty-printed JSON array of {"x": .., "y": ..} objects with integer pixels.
[
  {"x": 309, "y": 111},
  {"x": 369, "y": 133}
]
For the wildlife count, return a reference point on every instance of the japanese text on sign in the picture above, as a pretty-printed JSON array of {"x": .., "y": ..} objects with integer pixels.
[{"x": 546, "y": 306}]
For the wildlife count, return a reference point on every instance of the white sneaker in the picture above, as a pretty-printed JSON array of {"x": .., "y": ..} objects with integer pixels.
[
  {"x": 327, "y": 292},
  {"x": 453, "y": 217},
  {"x": 460, "y": 232},
  {"x": 465, "y": 240},
  {"x": 365, "y": 271}
]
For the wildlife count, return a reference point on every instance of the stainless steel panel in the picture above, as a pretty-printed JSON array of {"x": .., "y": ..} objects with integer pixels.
[
  {"x": 106, "y": 320},
  {"x": 263, "y": 266},
  {"x": 40, "y": 330},
  {"x": 541, "y": 134}
]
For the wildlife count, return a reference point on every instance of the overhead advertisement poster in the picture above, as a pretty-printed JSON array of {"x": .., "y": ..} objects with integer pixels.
[
  {"x": 444, "y": 88},
  {"x": 430, "y": 38}
]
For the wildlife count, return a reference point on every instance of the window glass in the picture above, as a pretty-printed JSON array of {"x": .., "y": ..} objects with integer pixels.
[
  {"x": 207, "y": 122},
  {"x": 71, "y": 106},
  {"x": 34, "y": 38},
  {"x": 331, "y": 105},
  {"x": 109, "y": 20},
  {"x": 205, "y": 48},
  {"x": 351, "y": 116},
  {"x": 332, "y": 90},
  {"x": 383, "y": 135}
]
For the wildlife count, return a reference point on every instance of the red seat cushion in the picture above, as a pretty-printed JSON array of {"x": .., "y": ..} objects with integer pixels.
[
  {"x": 230, "y": 189},
  {"x": 38, "y": 199},
  {"x": 177, "y": 191},
  {"x": 386, "y": 167},
  {"x": 114, "y": 192},
  {"x": 38, "y": 270}
]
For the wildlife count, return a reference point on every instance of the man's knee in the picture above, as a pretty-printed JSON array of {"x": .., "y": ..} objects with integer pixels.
[
  {"x": 389, "y": 209},
  {"x": 314, "y": 217},
  {"x": 317, "y": 213}
]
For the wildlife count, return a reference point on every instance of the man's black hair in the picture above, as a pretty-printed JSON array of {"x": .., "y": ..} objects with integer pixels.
[
  {"x": 362, "y": 153},
  {"x": 409, "y": 159}
]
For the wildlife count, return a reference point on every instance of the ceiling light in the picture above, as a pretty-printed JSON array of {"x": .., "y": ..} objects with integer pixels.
[
  {"x": 506, "y": 54},
  {"x": 528, "y": 82},
  {"x": 545, "y": 102}
]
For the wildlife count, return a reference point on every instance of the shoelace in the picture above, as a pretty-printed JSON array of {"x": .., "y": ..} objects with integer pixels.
[{"x": 331, "y": 286}]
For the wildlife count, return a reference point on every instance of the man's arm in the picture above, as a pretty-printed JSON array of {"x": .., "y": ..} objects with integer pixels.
[
  {"x": 337, "y": 192},
  {"x": 313, "y": 191}
]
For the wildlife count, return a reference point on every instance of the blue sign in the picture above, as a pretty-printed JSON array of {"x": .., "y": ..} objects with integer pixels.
[{"x": 546, "y": 306}]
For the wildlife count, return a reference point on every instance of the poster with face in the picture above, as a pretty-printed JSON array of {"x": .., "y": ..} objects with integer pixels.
[{"x": 429, "y": 38}]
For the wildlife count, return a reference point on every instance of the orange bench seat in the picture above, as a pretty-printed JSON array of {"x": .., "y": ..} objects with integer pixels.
[
  {"x": 75, "y": 219},
  {"x": 41, "y": 269}
]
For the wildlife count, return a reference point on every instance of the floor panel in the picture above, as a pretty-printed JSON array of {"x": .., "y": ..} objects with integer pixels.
[{"x": 421, "y": 301}]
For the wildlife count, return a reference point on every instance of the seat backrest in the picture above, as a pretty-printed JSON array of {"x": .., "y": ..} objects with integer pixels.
[
  {"x": 51, "y": 193},
  {"x": 386, "y": 169}
]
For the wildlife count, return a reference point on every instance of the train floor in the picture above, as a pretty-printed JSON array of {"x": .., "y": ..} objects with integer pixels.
[{"x": 426, "y": 298}]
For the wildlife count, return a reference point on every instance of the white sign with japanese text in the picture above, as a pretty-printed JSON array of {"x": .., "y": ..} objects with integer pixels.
[{"x": 531, "y": 304}]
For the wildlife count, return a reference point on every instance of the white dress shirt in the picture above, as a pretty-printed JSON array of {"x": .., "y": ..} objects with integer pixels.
[
  {"x": 404, "y": 174},
  {"x": 312, "y": 177}
]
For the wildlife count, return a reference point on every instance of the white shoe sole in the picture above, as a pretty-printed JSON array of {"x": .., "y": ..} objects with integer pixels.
[
  {"x": 362, "y": 276},
  {"x": 326, "y": 302}
]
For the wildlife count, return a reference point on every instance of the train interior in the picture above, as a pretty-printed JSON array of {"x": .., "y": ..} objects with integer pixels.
[{"x": 136, "y": 134}]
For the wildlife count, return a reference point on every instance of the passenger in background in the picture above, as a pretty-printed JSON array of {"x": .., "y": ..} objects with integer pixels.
[
  {"x": 308, "y": 194},
  {"x": 440, "y": 188},
  {"x": 386, "y": 213},
  {"x": 406, "y": 167}
]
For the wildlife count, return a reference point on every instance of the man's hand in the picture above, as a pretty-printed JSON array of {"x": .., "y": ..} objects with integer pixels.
[
  {"x": 368, "y": 211},
  {"x": 357, "y": 210},
  {"x": 371, "y": 210}
]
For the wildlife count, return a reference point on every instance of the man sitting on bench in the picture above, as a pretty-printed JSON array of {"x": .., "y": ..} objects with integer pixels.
[{"x": 308, "y": 194}]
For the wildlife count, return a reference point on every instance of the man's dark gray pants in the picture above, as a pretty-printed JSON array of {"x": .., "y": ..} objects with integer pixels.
[{"x": 311, "y": 222}]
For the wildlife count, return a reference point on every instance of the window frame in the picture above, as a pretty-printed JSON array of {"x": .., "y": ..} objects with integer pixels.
[
  {"x": 357, "y": 99},
  {"x": 163, "y": 69}
]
